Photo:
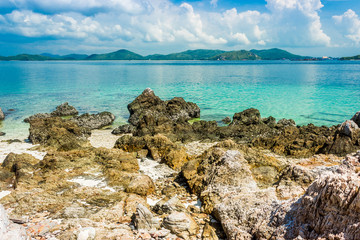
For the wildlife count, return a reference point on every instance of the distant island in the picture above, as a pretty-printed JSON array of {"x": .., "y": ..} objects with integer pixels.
[
  {"x": 199, "y": 54},
  {"x": 357, "y": 57}
]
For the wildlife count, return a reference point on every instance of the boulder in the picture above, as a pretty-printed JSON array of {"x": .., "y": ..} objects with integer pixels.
[
  {"x": 247, "y": 117},
  {"x": 64, "y": 110},
  {"x": 94, "y": 121},
  {"x": 356, "y": 118},
  {"x": 169, "y": 206},
  {"x": 181, "y": 224},
  {"x": 2, "y": 115},
  {"x": 348, "y": 128},
  {"x": 286, "y": 122},
  {"x": 143, "y": 219},
  {"x": 124, "y": 129},
  {"x": 37, "y": 116},
  {"x": 58, "y": 133},
  {"x": 141, "y": 185}
]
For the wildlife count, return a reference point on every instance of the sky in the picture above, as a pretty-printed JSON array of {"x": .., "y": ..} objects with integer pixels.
[{"x": 306, "y": 27}]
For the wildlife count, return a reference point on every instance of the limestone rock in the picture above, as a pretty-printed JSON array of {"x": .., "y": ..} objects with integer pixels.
[
  {"x": 2, "y": 115},
  {"x": 94, "y": 121},
  {"x": 141, "y": 185},
  {"x": 58, "y": 133},
  {"x": 181, "y": 224},
  {"x": 10, "y": 230},
  {"x": 37, "y": 116},
  {"x": 143, "y": 219},
  {"x": 64, "y": 110}
]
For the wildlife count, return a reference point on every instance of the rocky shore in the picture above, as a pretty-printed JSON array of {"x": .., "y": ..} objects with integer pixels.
[{"x": 165, "y": 175}]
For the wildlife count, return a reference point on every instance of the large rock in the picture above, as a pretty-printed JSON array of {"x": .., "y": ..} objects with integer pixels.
[
  {"x": 9, "y": 230},
  {"x": 356, "y": 118},
  {"x": 143, "y": 219},
  {"x": 157, "y": 147},
  {"x": 2, "y": 115},
  {"x": 141, "y": 185},
  {"x": 94, "y": 121},
  {"x": 37, "y": 116},
  {"x": 247, "y": 117},
  {"x": 181, "y": 224},
  {"x": 64, "y": 110},
  {"x": 58, "y": 133},
  {"x": 124, "y": 129}
]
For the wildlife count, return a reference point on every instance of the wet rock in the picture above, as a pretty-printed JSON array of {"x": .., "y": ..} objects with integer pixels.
[
  {"x": 247, "y": 117},
  {"x": 226, "y": 120},
  {"x": 141, "y": 185},
  {"x": 158, "y": 146},
  {"x": 94, "y": 121},
  {"x": 143, "y": 219},
  {"x": 286, "y": 122},
  {"x": 9, "y": 230},
  {"x": 58, "y": 133},
  {"x": 64, "y": 110},
  {"x": 37, "y": 116},
  {"x": 181, "y": 224},
  {"x": 356, "y": 118},
  {"x": 2, "y": 115},
  {"x": 124, "y": 129}
]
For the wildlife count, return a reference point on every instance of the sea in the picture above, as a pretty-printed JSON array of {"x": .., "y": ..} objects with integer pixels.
[{"x": 319, "y": 92}]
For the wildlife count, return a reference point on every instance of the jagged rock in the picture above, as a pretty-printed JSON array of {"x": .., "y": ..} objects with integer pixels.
[
  {"x": 247, "y": 117},
  {"x": 94, "y": 121},
  {"x": 356, "y": 118},
  {"x": 169, "y": 206},
  {"x": 158, "y": 146},
  {"x": 124, "y": 129},
  {"x": 143, "y": 219},
  {"x": 10, "y": 230},
  {"x": 37, "y": 116},
  {"x": 141, "y": 185},
  {"x": 58, "y": 133},
  {"x": 181, "y": 224},
  {"x": 286, "y": 122},
  {"x": 226, "y": 120},
  {"x": 64, "y": 110},
  {"x": 270, "y": 121},
  {"x": 348, "y": 128},
  {"x": 2, "y": 115}
]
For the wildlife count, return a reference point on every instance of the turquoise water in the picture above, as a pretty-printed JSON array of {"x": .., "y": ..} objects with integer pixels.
[{"x": 323, "y": 93}]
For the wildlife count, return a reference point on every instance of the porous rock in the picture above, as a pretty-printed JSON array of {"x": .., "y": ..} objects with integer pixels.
[
  {"x": 64, "y": 110},
  {"x": 94, "y": 121}
]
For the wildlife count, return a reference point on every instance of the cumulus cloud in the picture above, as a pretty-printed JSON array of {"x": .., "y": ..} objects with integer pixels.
[
  {"x": 349, "y": 23},
  {"x": 148, "y": 22}
]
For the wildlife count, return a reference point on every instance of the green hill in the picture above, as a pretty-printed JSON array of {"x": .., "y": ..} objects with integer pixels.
[
  {"x": 199, "y": 54},
  {"x": 357, "y": 57},
  {"x": 276, "y": 54},
  {"x": 122, "y": 54},
  {"x": 27, "y": 57},
  {"x": 236, "y": 55}
]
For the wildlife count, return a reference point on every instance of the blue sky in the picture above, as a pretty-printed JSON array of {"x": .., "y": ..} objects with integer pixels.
[{"x": 307, "y": 27}]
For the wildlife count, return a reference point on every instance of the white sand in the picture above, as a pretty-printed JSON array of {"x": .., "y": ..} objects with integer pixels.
[
  {"x": 103, "y": 138},
  {"x": 87, "y": 181},
  {"x": 18, "y": 148}
]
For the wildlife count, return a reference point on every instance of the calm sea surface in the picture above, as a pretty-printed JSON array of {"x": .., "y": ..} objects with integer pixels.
[{"x": 323, "y": 93}]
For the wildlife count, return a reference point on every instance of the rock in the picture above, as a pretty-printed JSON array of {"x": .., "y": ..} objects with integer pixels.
[
  {"x": 94, "y": 121},
  {"x": 2, "y": 134},
  {"x": 172, "y": 205},
  {"x": 141, "y": 185},
  {"x": 348, "y": 128},
  {"x": 58, "y": 133},
  {"x": 356, "y": 118},
  {"x": 10, "y": 230},
  {"x": 87, "y": 233},
  {"x": 143, "y": 219},
  {"x": 124, "y": 129},
  {"x": 247, "y": 117},
  {"x": 286, "y": 122},
  {"x": 181, "y": 224},
  {"x": 209, "y": 233},
  {"x": 158, "y": 146},
  {"x": 37, "y": 116},
  {"x": 226, "y": 120},
  {"x": 270, "y": 121},
  {"x": 2, "y": 115},
  {"x": 64, "y": 110}
]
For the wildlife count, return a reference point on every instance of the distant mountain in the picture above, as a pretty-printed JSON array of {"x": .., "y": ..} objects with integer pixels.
[
  {"x": 122, "y": 54},
  {"x": 236, "y": 55},
  {"x": 357, "y": 57},
  {"x": 276, "y": 54},
  {"x": 199, "y": 54}
]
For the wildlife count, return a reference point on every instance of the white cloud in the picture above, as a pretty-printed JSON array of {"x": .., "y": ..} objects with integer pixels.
[
  {"x": 214, "y": 3},
  {"x": 349, "y": 24}
]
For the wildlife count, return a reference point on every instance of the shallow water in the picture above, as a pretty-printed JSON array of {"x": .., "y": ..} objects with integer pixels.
[{"x": 323, "y": 93}]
